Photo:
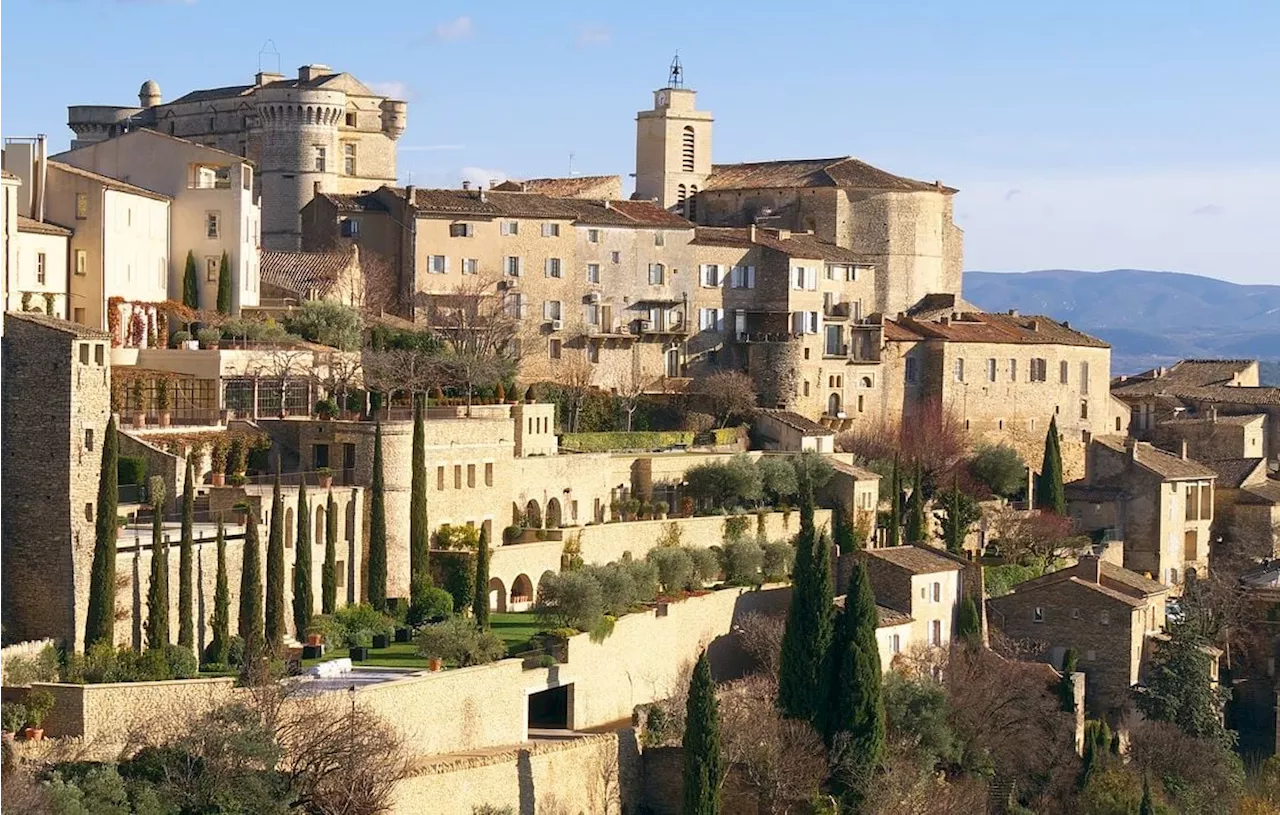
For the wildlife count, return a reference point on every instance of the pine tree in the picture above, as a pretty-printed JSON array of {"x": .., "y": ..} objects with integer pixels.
[
  {"x": 220, "y": 622},
  {"x": 99, "y": 625},
  {"x": 853, "y": 720},
  {"x": 329, "y": 571},
  {"x": 480, "y": 598},
  {"x": 273, "y": 624},
  {"x": 378, "y": 529},
  {"x": 808, "y": 628},
  {"x": 186, "y": 567},
  {"x": 224, "y": 285},
  {"x": 158, "y": 588},
  {"x": 969, "y": 622},
  {"x": 894, "y": 530},
  {"x": 1050, "y": 496},
  {"x": 916, "y": 532},
  {"x": 419, "y": 574},
  {"x": 702, "y": 764},
  {"x": 191, "y": 283},
  {"x": 250, "y": 620},
  {"x": 303, "y": 600},
  {"x": 1097, "y": 749}
]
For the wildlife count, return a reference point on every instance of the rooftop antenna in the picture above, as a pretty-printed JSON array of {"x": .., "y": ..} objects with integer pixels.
[
  {"x": 571, "y": 172},
  {"x": 269, "y": 50},
  {"x": 676, "y": 79}
]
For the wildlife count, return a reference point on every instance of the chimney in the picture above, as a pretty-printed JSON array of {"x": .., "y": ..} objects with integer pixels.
[
  {"x": 466, "y": 185},
  {"x": 751, "y": 233},
  {"x": 1089, "y": 569},
  {"x": 1213, "y": 414},
  {"x": 945, "y": 320},
  {"x": 314, "y": 71},
  {"x": 266, "y": 78},
  {"x": 409, "y": 195},
  {"x": 1066, "y": 323},
  {"x": 1013, "y": 312},
  {"x": 493, "y": 182},
  {"x": 40, "y": 176},
  {"x": 1184, "y": 450},
  {"x": 784, "y": 234},
  {"x": 1035, "y": 325},
  {"x": 1131, "y": 446},
  {"x": 315, "y": 187},
  {"x": 484, "y": 196}
]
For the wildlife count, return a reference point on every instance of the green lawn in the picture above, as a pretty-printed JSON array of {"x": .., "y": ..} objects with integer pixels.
[{"x": 515, "y": 628}]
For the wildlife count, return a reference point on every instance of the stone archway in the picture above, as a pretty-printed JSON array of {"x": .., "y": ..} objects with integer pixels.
[
  {"x": 833, "y": 404},
  {"x": 542, "y": 580},
  {"x": 497, "y": 595},
  {"x": 532, "y": 515},
  {"x": 521, "y": 594},
  {"x": 554, "y": 517}
]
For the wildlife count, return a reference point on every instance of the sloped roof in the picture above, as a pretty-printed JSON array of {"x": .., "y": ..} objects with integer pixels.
[
  {"x": 1113, "y": 581},
  {"x": 1266, "y": 493},
  {"x": 795, "y": 421},
  {"x": 1240, "y": 420},
  {"x": 859, "y": 473},
  {"x": 570, "y": 187},
  {"x": 1200, "y": 380},
  {"x": 914, "y": 559},
  {"x": 149, "y": 133},
  {"x": 108, "y": 182},
  {"x": 501, "y": 203},
  {"x": 985, "y": 327},
  {"x": 843, "y": 171},
  {"x": 886, "y": 617},
  {"x": 795, "y": 244},
  {"x": 363, "y": 202},
  {"x": 303, "y": 272},
  {"x": 1192, "y": 372},
  {"x": 26, "y": 224},
  {"x": 624, "y": 213},
  {"x": 57, "y": 324},
  {"x": 209, "y": 94},
  {"x": 1166, "y": 465},
  {"x": 1235, "y": 472}
]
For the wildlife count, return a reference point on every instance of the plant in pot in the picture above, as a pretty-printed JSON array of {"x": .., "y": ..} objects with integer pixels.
[
  {"x": 660, "y": 509},
  {"x": 239, "y": 458},
  {"x": 325, "y": 475},
  {"x": 354, "y": 405},
  {"x": 138, "y": 396},
  {"x": 209, "y": 338},
  {"x": 182, "y": 339},
  {"x": 13, "y": 717},
  {"x": 218, "y": 461},
  {"x": 164, "y": 399},
  {"x": 326, "y": 408},
  {"x": 38, "y": 704}
]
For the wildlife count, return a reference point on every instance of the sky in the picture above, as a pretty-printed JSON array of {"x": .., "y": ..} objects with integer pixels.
[{"x": 1090, "y": 135}]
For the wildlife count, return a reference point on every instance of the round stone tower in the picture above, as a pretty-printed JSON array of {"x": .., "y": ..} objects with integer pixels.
[
  {"x": 395, "y": 115},
  {"x": 149, "y": 94},
  {"x": 298, "y": 156}
]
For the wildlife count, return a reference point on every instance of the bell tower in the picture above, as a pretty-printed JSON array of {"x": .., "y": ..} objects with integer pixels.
[{"x": 673, "y": 147}]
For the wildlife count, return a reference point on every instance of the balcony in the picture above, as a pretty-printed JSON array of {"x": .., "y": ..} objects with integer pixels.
[
  {"x": 676, "y": 326},
  {"x": 837, "y": 311}
]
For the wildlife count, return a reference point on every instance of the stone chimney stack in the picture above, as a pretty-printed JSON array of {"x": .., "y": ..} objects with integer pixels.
[
  {"x": 466, "y": 185},
  {"x": 751, "y": 232},
  {"x": 1089, "y": 569},
  {"x": 1131, "y": 445},
  {"x": 1184, "y": 450},
  {"x": 1213, "y": 413}
]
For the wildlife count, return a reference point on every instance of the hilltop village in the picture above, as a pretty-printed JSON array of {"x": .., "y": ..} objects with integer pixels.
[{"x": 535, "y": 497}]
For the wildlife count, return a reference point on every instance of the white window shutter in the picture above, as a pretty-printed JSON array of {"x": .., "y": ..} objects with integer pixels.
[
  {"x": 751, "y": 277},
  {"x": 721, "y": 273},
  {"x": 797, "y": 322},
  {"x": 813, "y": 279},
  {"x": 702, "y": 274},
  {"x": 735, "y": 277},
  {"x": 446, "y": 264}
]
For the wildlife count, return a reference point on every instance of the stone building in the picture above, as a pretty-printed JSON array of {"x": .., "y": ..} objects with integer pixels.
[
  {"x": 56, "y": 381},
  {"x": 323, "y": 131},
  {"x": 290, "y": 278},
  {"x": 592, "y": 187},
  {"x": 921, "y": 583},
  {"x": 1108, "y": 614}
]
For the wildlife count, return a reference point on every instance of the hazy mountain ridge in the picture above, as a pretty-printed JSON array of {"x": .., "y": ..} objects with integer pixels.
[{"x": 1150, "y": 318}]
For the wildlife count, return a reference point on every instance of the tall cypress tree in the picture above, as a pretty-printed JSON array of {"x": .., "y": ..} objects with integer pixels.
[
  {"x": 968, "y": 622},
  {"x": 158, "y": 588},
  {"x": 808, "y": 628},
  {"x": 250, "y": 624},
  {"x": 1050, "y": 495},
  {"x": 916, "y": 530},
  {"x": 329, "y": 570},
  {"x": 853, "y": 721},
  {"x": 100, "y": 623},
  {"x": 480, "y": 598},
  {"x": 894, "y": 530},
  {"x": 273, "y": 624},
  {"x": 186, "y": 593},
  {"x": 419, "y": 574},
  {"x": 378, "y": 528},
  {"x": 1147, "y": 806},
  {"x": 190, "y": 283},
  {"x": 224, "y": 285},
  {"x": 303, "y": 599},
  {"x": 703, "y": 768},
  {"x": 220, "y": 622}
]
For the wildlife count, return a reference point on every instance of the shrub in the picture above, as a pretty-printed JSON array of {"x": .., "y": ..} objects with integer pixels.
[
  {"x": 1000, "y": 468},
  {"x": 742, "y": 561},
  {"x": 458, "y": 577},
  {"x": 398, "y": 608},
  {"x": 735, "y": 526},
  {"x": 180, "y": 337},
  {"x": 512, "y": 532},
  {"x": 433, "y": 604},
  {"x": 357, "y": 623},
  {"x": 235, "y": 650},
  {"x": 617, "y": 587},
  {"x": 131, "y": 470},
  {"x": 778, "y": 559},
  {"x": 779, "y": 477},
  {"x": 706, "y": 566},
  {"x": 208, "y": 336},
  {"x": 328, "y": 323},
  {"x": 571, "y": 600},
  {"x": 181, "y": 662},
  {"x": 13, "y": 716},
  {"x": 623, "y": 441},
  {"x": 675, "y": 568},
  {"x": 1000, "y": 580},
  {"x": 644, "y": 580},
  {"x": 699, "y": 422},
  {"x": 39, "y": 667},
  {"x": 38, "y": 703},
  {"x": 457, "y": 536},
  {"x": 461, "y": 642}
]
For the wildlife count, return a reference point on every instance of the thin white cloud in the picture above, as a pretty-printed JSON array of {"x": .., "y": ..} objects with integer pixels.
[
  {"x": 1208, "y": 209},
  {"x": 1011, "y": 194},
  {"x": 593, "y": 35},
  {"x": 392, "y": 89},
  {"x": 480, "y": 176},
  {"x": 430, "y": 148},
  {"x": 458, "y": 29}
]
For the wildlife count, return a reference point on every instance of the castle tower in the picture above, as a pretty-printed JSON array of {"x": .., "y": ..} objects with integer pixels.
[
  {"x": 299, "y": 154},
  {"x": 149, "y": 94},
  {"x": 673, "y": 147}
]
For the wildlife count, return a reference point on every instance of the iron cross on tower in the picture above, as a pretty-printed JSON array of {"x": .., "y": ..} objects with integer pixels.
[{"x": 676, "y": 79}]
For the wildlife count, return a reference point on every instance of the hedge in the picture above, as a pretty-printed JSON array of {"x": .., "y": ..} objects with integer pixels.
[
  {"x": 622, "y": 441},
  {"x": 726, "y": 435},
  {"x": 131, "y": 470}
]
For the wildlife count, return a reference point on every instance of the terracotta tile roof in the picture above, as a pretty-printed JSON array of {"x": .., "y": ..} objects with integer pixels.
[
  {"x": 1196, "y": 372},
  {"x": 859, "y": 473},
  {"x": 795, "y": 421},
  {"x": 896, "y": 332},
  {"x": 363, "y": 202},
  {"x": 303, "y": 272},
  {"x": 213, "y": 93},
  {"x": 26, "y": 224},
  {"x": 844, "y": 171},
  {"x": 1233, "y": 473},
  {"x": 978, "y": 326},
  {"x": 796, "y": 244},
  {"x": 647, "y": 213},
  {"x": 500, "y": 204},
  {"x": 1127, "y": 599},
  {"x": 108, "y": 182},
  {"x": 572, "y": 187},
  {"x": 914, "y": 559},
  {"x": 58, "y": 324},
  {"x": 1266, "y": 493},
  {"x": 1200, "y": 380},
  {"x": 887, "y": 616},
  {"x": 1130, "y": 579},
  {"x": 614, "y": 212},
  {"x": 1166, "y": 465},
  {"x": 933, "y": 306},
  {"x": 1114, "y": 581},
  {"x": 1241, "y": 420}
]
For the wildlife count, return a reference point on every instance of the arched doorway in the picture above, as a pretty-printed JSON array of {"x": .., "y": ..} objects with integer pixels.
[
  {"x": 521, "y": 594},
  {"x": 833, "y": 405},
  {"x": 553, "y": 514},
  {"x": 497, "y": 595},
  {"x": 673, "y": 362},
  {"x": 532, "y": 515}
]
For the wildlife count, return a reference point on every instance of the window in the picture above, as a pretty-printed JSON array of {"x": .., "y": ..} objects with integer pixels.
[
  {"x": 340, "y": 579},
  {"x": 350, "y": 228},
  {"x": 1037, "y": 616},
  {"x": 471, "y": 475},
  {"x": 1063, "y": 369},
  {"x": 659, "y": 238},
  {"x": 657, "y": 274},
  {"x": 1090, "y": 655},
  {"x": 439, "y": 478},
  {"x": 895, "y": 644},
  {"x": 511, "y": 266},
  {"x": 349, "y": 158},
  {"x": 803, "y": 278},
  {"x": 806, "y": 387},
  {"x": 710, "y": 319},
  {"x": 686, "y": 151},
  {"x": 593, "y": 236},
  {"x": 1075, "y": 613},
  {"x": 710, "y": 275},
  {"x": 593, "y": 352},
  {"x": 509, "y": 228},
  {"x": 835, "y": 336},
  {"x": 804, "y": 322},
  {"x": 935, "y": 632},
  {"x": 320, "y": 156},
  {"x": 551, "y": 310},
  {"x": 593, "y": 272},
  {"x": 551, "y": 230},
  {"x": 1084, "y": 377},
  {"x": 552, "y": 268},
  {"x": 912, "y": 374},
  {"x": 1104, "y": 617},
  {"x": 84, "y": 353},
  {"x": 742, "y": 277},
  {"x": 1039, "y": 369},
  {"x": 553, "y": 348},
  {"x": 1084, "y": 408},
  {"x": 82, "y": 206},
  {"x": 615, "y": 257},
  {"x": 937, "y": 592},
  {"x": 957, "y": 370},
  {"x": 211, "y": 270},
  {"x": 488, "y": 474},
  {"x": 470, "y": 266},
  {"x": 457, "y": 476},
  {"x": 40, "y": 265},
  {"x": 78, "y": 316},
  {"x": 88, "y": 433},
  {"x": 350, "y": 119},
  {"x": 82, "y": 261},
  {"x": 461, "y": 230},
  {"x": 213, "y": 225},
  {"x": 991, "y": 370},
  {"x": 437, "y": 264},
  {"x": 591, "y": 313},
  {"x": 1013, "y": 370}
]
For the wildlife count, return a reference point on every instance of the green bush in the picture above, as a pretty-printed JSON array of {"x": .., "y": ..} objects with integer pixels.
[
  {"x": 131, "y": 470},
  {"x": 458, "y": 577},
  {"x": 644, "y": 579},
  {"x": 706, "y": 565},
  {"x": 328, "y": 323},
  {"x": 675, "y": 568},
  {"x": 398, "y": 608},
  {"x": 40, "y": 667},
  {"x": 180, "y": 337},
  {"x": 622, "y": 441},
  {"x": 742, "y": 561},
  {"x": 779, "y": 557},
  {"x": 434, "y": 603},
  {"x": 13, "y": 716},
  {"x": 617, "y": 588},
  {"x": 38, "y": 704},
  {"x": 570, "y": 600},
  {"x": 457, "y": 536},
  {"x": 356, "y": 624},
  {"x": 1000, "y": 580},
  {"x": 726, "y": 435},
  {"x": 1000, "y": 468},
  {"x": 460, "y": 641},
  {"x": 181, "y": 662},
  {"x": 717, "y": 485}
]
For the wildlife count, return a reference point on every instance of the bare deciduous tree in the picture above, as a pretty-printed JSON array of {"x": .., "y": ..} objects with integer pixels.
[
  {"x": 277, "y": 367},
  {"x": 725, "y": 394},
  {"x": 1034, "y": 537},
  {"x": 933, "y": 438},
  {"x": 761, "y": 637},
  {"x": 629, "y": 384}
]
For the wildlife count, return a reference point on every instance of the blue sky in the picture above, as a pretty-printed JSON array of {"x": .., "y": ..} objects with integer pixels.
[{"x": 1088, "y": 135}]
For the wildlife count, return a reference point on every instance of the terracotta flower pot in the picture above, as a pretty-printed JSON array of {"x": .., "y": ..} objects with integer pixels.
[
  {"x": 314, "y": 639},
  {"x": 326, "y": 481},
  {"x": 218, "y": 479},
  {"x": 33, "y": 733},
  {"x": 139, "y": 420},
  {"x": 435, "y": 664},
  {"x": 164, "y": 418}
]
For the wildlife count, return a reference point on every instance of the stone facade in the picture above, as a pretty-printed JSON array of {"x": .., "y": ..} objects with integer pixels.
[{"x": 920, "y": 583}]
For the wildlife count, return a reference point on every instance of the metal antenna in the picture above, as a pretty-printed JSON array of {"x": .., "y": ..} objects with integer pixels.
[
  {"x": 676, "y": 78},
  {"x": 269, "y": 49},
  {"x": 571, "y": 165}
]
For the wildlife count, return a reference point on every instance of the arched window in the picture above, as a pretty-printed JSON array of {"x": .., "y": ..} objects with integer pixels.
[
  {"x": 693, "y": 203},
  {"x": 833, "y": 404},
  {"x": 682, "y": 195},
  {"x": 686, "y": 156}
]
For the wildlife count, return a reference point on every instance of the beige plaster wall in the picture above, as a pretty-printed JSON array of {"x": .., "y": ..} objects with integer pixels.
[
  {"x": 28, "y": 246},
  {"x": 105, "y": 715}
]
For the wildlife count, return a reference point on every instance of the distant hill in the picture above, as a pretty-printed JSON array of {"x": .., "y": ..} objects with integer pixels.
[{"x": 1150, "y": 318}]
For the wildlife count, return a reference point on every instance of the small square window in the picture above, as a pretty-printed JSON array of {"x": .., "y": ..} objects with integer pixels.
[
  {"x": 1090, "y": 655},
  {"x": 82, "y": 206},
  {"x": 510, "y": 228},
  {"x": 211, "y": 269},
  {"x": 553, "y": 348},
  {"x": 659, "y": 238},
  {"x": 488, "y": 474},
  {"x": 438, "y": 264},
  {"x": 551, "y": 230},
  {"x": 212, "y": 225},
  {"x": 616, "y": 257},
  {"x": 461, "y": 230},
  {"x": 1075, "y": 613},
  {"x": 1037, "y": 616},
  {"x": 351, "y": 119},
  {"x": 88, "y": 438},
  {"x": 470, "y": 266},
  {"x": 593, "y": 236},
  {"x": 593, "y": 272},
  {"x": 84, "y": 353},
  {"x": 350, "y": 228}
]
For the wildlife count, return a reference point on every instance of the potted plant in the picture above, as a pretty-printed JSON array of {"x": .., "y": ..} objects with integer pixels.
[
  {"x": 164, "y": 399},
  {"x": 139, "y": 396},
  {"x": 435, "y": 664},
  {"x": 326, "y": 408},
  {"x": 381, "y": 641},
  {"x": 660, "y": 509},
  {"x": 354, "y": 404},
  {"x": 239, "y": 457},
  {"x": 209, "y": 338},
  {"x": 38, "y": 704},
  {"x": 358, "y": 653},
  {"x": 182, "y": 339},
  {"x": 218, "y": 461},
  {"x": 326, "y": 477},
  {"x": 13, "y": 716}
]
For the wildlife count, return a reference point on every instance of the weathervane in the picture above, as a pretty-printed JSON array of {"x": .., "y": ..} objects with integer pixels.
[{"x": 676, "y": 79}]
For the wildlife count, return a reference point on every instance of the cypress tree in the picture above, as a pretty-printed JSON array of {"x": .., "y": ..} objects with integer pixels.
[
  {"x": 329, "y": 571},
  {"x": 702, "y": 765},
  {"x": 1147, "y": 807},
  {"x": 250, "y": 620},
  {"x": 419, "y": 575},
  {"x": 220, "y": 638},
  {"x": 378, "y": 529},
  {"x": 894, "y": 530},
  {"x": 480, "y": 598},
  {"x": 916, "y": 531},
  {"x": 1097, "y": 748},
  {"x": 186, "y": 598},
  {"x": 1066, "y": 688},
  {"x": 224, "y": 285},
  {"x": 99, "y": 625},
  {"x": 158, "y": 588},
  {"x": 191, "y": 283},
  {"x": 968, "y": 622},
  {"x": 808, "y": 628},
  {"x": 959, "y": 513},
  {"x": 854, "y": 723},
  {"x": 303, "y": 600},
  {"x": 273, "y": 623},
  {"x": 844, "y": 530},
  {"x": 1050, "y": 496}
]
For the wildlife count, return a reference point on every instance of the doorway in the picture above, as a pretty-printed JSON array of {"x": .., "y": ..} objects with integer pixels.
[{"x": 551, "y": 709}]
